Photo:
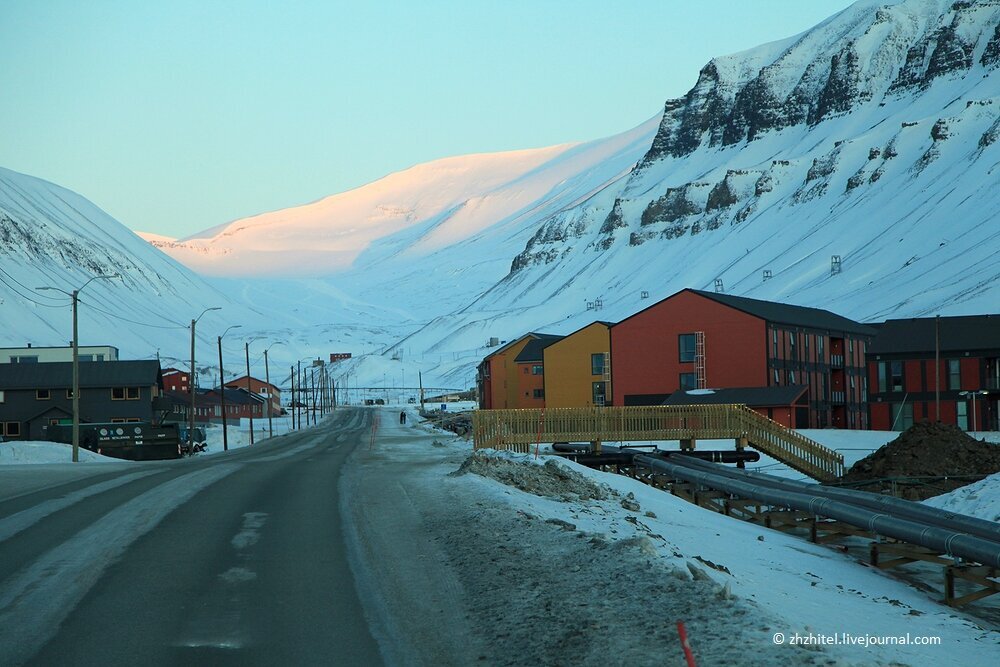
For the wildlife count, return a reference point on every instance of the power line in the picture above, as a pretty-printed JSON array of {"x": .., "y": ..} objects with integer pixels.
[
  {"x": 30, "y": 290},
  {"x": 31, "y": 297},
  {"x": 91, "y": 304}
]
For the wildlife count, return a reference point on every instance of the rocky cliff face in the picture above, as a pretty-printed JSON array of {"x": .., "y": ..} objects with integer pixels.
[{"x": 877, "y": 91}]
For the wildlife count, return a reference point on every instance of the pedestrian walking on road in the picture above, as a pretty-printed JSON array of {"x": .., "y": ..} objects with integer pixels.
[{"x": 402, "y": 417}]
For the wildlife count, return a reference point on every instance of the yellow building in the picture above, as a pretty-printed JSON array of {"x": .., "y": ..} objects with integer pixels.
[{"x": 578, "y": 368}]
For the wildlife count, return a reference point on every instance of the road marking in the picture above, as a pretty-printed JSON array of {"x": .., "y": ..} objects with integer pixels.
[
  {"x": 38, "y": 599},
  {"x": 216, "y": 619},
  {"x": 15, "y": 523},
  {"x": 250, "y": 533}
]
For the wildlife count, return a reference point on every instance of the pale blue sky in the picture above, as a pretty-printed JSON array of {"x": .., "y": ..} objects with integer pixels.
[{"x": 179, "y": 115}]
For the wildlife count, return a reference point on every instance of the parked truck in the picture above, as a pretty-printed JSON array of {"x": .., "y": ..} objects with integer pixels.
[{"x": 135, "y": 441}]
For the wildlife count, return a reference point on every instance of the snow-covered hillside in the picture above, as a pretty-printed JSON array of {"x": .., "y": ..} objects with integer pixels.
[
  {"x": 872, "y": 138},
  {"x": 52, "y": 237}
]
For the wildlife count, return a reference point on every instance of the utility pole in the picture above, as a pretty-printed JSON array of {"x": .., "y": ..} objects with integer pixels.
[
  {"x": 222, "y": 393},
  {"x": 301, "y": 399},
  {"x": 249, "y": 390},
  {"x": 191, "y": 381},
  {"x": 291, "y": 382},
  {"x": 75, "y": 297},
  {"x": 267, "y": 379},
  {"x": 937, "y": 367}
]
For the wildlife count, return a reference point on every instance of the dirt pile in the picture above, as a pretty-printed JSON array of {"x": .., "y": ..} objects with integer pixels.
[
  {"x": 550, "y": 479},
  {"x": 932, "y": 451}
]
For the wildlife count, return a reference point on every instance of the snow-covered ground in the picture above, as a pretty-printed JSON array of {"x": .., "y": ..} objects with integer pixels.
[
  {"x": 541, "y": 545},
  {"x": 542, "y": 538}
]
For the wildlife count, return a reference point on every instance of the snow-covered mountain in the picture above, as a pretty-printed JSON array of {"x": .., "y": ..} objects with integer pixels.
[
  {"x": 871, "y": 138},
  {"x": 52, "y": 237}
]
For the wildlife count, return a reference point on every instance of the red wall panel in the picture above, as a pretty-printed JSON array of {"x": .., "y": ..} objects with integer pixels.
[{"x": 645, "y": 355}]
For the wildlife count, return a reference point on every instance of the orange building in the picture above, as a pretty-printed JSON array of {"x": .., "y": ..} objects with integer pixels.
[
  {"x": 496, "y": 377},
  {"x": 578, "y": 369},
  {"x": 530, "y": 372}
]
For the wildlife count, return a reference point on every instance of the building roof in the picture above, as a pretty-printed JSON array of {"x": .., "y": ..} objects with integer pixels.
[
  {"x": 957, "y": 334},
  {"x": 59, "y": 374},
  {"x": 753, "y": 397},
  {"x": 533, "y": 350},
  {"x": 242, "y": 380},
  {"x": 776, "y": 313},
  {"x": 783, "y": 313}
]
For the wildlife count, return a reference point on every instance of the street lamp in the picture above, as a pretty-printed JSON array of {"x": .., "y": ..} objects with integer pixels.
[
  {"x": 222, "y": 391},
  {"x": 74, "y": 295},
  {"x": 972, "y": 396},
  {"x": 249, "y": 388},
  {"x": 191, "y": 380}
]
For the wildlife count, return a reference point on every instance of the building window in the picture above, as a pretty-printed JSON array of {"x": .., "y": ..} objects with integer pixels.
[
  {"x": 791, "y": 377},
  {"x": 1, "y": 396},
  {"x": 536, "y": 369},
  {"x": 133, "y": 420},
  {"x": 599, "y": 394},
  {"x": 24, "y": 360},
  {"x": 42, "y": 395},
  {"x": 597, "y": 364},
  {"x": 776, "y": 380},
  {"x": 963, "y": 415},
  {"x": 774, "y": 345},
  {"x": 538, "y": 393},
  {"x": 118, "y": 393},
  {"x": 902, "y": 416},
  {"x": 132, "y": 393},
  {"x": 117, "y": 420},
  {"x": 819, "y": 349},
  {"x": 896, "y": 375},
  {"x": 12, "y": 429},
  {"x": 881, "y": 377},
  {"x": 954, "y": 374},
  {"x": 686, "y": 344},
  {"x": 69, "y": 394},
  {"x": 688, "y": 381}
]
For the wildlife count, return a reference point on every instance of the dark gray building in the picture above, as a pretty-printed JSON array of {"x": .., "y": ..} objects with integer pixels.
[{"x": 33, "y": 396}]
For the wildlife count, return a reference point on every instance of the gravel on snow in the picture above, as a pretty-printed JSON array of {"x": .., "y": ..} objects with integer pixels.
[{"x": 451, "y": 571}]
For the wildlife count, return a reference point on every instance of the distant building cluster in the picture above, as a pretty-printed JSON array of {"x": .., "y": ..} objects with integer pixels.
[
  {"x": 36, "y": 392},
  {"x": 802, "y": 367}
]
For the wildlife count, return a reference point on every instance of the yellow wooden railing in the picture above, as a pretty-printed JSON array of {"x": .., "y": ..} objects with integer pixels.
[{"x": 519, "y": 429}]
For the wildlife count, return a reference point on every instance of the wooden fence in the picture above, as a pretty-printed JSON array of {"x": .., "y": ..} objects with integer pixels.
[{"x": 519, "y": 429}]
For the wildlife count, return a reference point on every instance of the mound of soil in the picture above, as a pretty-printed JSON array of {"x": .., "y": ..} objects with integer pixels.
[
  {"x": 550, "y": 479},
  {"x": 932, "y": 451}
]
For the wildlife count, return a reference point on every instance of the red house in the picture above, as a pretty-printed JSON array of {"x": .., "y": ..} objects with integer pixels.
[
  {"x": 265, "y": 390},
  {"x": 176, "y": 380},
  {"x": 905, "y": 385},
  {"x": 696, "y": 340}
]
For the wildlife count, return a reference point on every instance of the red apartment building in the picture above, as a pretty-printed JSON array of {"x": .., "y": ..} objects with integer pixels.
[
  {"x": 263, "y": 389},
  {"x": 696, "y": 339},
  {"x": 905, "y": 385}
]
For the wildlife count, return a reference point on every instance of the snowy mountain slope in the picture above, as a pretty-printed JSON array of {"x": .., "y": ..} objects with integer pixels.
[
  {"x": 326, "y": 236},
  {"x": 50, "y": 236},
  {"x": 872, "y": 137}
]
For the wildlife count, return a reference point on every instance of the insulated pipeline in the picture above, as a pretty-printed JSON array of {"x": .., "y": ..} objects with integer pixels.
[
  {"x": 945, "y": 541},
  {"x": 897, "y": 507}
]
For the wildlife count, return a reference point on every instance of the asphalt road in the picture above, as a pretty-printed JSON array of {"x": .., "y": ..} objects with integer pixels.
[{"x": 235, "y": 558}]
